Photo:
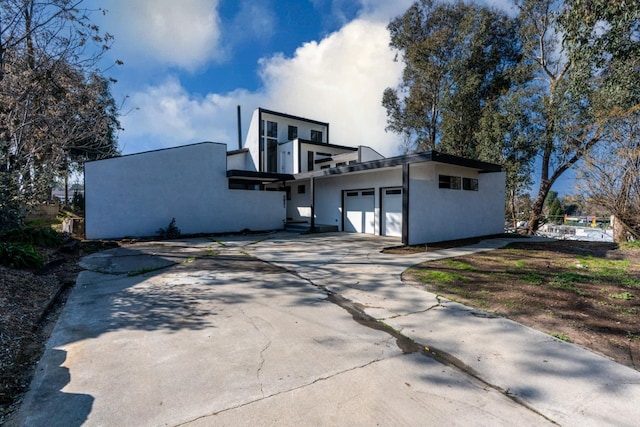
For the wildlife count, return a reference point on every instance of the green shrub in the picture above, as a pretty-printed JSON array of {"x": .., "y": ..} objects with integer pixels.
[
  {"x": 19, "y": 255},
  {"x": 37, "y": 236},
  {"x": 171, "y": 232}
]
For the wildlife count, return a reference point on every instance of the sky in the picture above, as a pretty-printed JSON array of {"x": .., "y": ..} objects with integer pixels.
[{"x": 188, "y": 64}]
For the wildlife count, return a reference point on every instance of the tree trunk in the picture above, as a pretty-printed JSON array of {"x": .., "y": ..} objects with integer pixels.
[
  {"x": 619, "y": 231},
  {"x": 538, "y": 206}
]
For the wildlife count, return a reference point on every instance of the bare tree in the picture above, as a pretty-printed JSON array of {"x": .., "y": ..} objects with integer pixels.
[
  {"x": 56, "y": 109},
  {"x": 611, "y": 175}
]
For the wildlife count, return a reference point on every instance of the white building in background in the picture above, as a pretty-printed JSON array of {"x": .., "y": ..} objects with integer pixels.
[{"x": 289, "y": 174}]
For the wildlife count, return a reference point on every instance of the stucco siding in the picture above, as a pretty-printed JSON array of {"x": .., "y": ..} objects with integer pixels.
[
  {"x": 437, "y": 214},
  {"x": 136, "y": 195}
]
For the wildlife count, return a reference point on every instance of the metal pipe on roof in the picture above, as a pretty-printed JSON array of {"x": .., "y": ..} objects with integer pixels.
[{"x": 239, "y": 129}]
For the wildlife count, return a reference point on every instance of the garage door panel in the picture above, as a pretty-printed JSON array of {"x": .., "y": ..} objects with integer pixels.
[
  {"x": 391, "y": 212},
  {"x": 359, "y": 211}
]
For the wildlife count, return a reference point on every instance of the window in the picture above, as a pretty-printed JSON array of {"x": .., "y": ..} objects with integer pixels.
[
  {"x": 368, "y": 193},
  {"x": 288, "y": 191},
  {"x": 292, "y": 133},
  {"x": 302, "y": 189},
  {"x": 272, "y": 129},
  {"x": 309, "y": 161},
  {"x": 394, "y": 191},
  {"x": 325, "y": 167},
  {"x": 316, "y": 136},
  {"x": 352, "y": 194},
  {"x": 272, "y": 155},
  {"x": 446, "y": 181},
  {"x": 340, "y": 164},
  {"x": 269, "y": 143},
  {"x": 470, "y": 184}
]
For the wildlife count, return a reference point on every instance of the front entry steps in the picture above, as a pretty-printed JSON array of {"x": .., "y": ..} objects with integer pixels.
[{"x": 305, "y": 227}]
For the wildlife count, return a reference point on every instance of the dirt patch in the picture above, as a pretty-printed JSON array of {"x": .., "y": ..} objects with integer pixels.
[
  {"x": 587, "y": 293},
  {"x": 30, "y": 301}
]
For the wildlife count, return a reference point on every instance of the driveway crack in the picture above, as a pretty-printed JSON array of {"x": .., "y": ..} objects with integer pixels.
[
  {"x": 264, "y": 349},
  {"x": 317, "y": 380}
]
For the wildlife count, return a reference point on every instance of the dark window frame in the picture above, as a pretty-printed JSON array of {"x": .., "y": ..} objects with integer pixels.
[
  {"x": 316, "y": 135},
  {"x": 292, "y": 132},
  {"x": 470, "y": 184},
  {"x": 449, "y": 182}
]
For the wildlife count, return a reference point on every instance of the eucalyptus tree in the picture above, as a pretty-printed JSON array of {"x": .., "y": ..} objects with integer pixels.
[
  {"x": 463, "y": 85},
  {"x": 587, "y": 67},
  {"x": 459, "y": 58}
]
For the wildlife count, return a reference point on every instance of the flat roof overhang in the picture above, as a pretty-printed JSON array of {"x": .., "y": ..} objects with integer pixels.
[
  {"x": 258, "y": 177},
  {"x": 429, "y": 156}
]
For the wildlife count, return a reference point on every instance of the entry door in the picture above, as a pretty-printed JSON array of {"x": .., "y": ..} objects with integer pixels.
[
  {"x": 359, "y": 215},
  {"x": 392, "y": 212}
]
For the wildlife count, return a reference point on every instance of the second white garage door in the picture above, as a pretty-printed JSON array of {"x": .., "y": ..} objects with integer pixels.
[
  {"x": 359, "y": 215},
  {"x": 392, "y": 212}
]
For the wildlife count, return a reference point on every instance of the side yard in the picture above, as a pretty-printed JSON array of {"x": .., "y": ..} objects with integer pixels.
[{"x": 587, "y": 293}]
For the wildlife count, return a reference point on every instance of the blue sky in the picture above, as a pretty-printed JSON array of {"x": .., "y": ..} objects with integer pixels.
[{"x": 189, "y": 63}]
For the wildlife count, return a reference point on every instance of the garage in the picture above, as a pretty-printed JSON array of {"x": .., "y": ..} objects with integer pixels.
[
  {"x": 359, "y": 211},
  {"x": 391, "y": 218}
]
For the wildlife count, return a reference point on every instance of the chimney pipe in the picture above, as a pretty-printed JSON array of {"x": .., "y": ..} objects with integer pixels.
[{"x": 239, "y": 130}]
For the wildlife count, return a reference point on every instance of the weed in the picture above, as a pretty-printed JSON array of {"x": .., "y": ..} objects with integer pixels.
[
  {"x": 211, "y": 252},
  {"x": 37, "y": 236},
  {"x": 514, "y": 305},
  {"x": 459, "y": 265},
  {"x": 533, "y": 278},
  {"x": 560, "y": 336},
  {"x": 443, "y": 277},
  {"x": 630, "y": 281},
  {"x": 223, "y": 244},
  {"x": 566, "y": 280},
  {"x": 171, "y": 232},
  {"x": 624, "y": 296},
  {"x": 188, "y": 260},
  {"x": 520, "y": 263},
  {"x": 19, "y": 255}
]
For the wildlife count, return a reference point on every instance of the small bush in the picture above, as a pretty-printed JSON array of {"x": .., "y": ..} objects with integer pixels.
[
  {"x": 19, "y": 255},
  {"x": 171, "y": 232},
  {"x": 37, "y": 236}
]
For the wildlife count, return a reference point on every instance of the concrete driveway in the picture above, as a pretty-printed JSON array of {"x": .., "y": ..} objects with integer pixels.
[{"x": 200, "y": 332}]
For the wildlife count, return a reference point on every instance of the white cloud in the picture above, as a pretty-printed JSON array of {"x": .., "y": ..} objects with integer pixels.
[
  {"x": 166, "y": 115},
  {"x": 167, "y": 32},
  {"x": 339, "y": 80}
]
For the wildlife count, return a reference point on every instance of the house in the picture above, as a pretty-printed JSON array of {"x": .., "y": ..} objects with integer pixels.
[{"x": 289, "y": 172}]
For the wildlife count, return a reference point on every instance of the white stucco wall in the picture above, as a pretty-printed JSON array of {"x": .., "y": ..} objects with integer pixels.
[
  {"x": 135, "y": 195},
  {"x": 328, "y": 192},
  {"x": 437, "y": 214},
  {"x": 237, "y": 161},
  {"x": 299, "y": 207},
  {"x": 367, "y": 154}
]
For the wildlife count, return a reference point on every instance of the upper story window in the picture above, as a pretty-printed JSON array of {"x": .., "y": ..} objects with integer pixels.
[
  {"x": 292, "y": 133},
  {"x": 310, "y": 159},
  {"x": 316, "y": 136},
  {"x": 272, "y": 129}
]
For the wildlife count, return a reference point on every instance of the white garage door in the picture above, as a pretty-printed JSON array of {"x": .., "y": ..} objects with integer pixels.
[
  {"x": 392, "y": 212},
  {"x": 359, "y": 211}
]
